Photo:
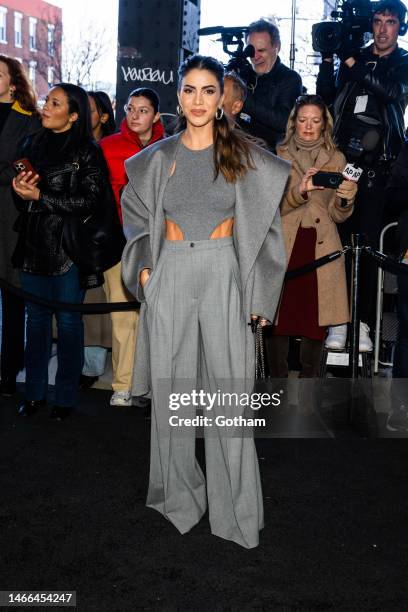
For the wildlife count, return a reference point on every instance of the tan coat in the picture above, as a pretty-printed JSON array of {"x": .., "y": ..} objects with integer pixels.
[{"x": 322, "y": 211}]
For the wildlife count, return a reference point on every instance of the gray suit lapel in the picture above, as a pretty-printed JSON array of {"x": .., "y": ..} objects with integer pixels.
[{"x": 148, "y": 172}]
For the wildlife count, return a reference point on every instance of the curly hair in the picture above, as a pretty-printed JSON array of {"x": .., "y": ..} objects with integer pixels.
[
  {"x": 311, "y": 100},
  {"x": 24, "y": 93}
]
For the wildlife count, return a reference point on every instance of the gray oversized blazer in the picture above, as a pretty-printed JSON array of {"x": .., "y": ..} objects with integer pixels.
[{"x": 257, "y": 237}]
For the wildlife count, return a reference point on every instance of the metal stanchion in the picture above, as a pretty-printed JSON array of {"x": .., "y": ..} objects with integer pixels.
[{"x": 357, "y": 242}]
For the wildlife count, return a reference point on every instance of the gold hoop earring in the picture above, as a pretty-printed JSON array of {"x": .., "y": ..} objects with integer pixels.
[
  {"x": 179, "y": 111},
  {"x": 219, "y": 115}
]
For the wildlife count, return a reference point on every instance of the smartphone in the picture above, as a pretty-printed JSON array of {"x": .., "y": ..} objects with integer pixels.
[
  {"x": 24, "y": 165},
  {"x": 331, "y": 180}
]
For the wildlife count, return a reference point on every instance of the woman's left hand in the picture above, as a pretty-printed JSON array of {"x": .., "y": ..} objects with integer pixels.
[
  {"x": 24, "y": 184},
  {"x": 255, "y": 319},
  {"x": 347, "y": 190}
]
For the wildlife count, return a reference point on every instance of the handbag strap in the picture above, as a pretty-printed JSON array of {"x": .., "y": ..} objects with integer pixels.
[{"x": 259, "y": 353}]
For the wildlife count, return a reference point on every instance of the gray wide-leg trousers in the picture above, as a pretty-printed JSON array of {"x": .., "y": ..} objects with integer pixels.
[{"x": 197, "y": 341}]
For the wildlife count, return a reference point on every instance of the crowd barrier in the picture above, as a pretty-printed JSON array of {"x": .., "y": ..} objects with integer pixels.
[{"x": 357, "y": 249}]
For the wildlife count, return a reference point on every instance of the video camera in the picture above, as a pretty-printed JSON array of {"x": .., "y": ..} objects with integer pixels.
[
  {"x": 234, "y": 37},
  {"x": 349, "y": 29}
]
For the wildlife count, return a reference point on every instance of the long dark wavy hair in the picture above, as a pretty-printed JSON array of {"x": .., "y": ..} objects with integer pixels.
[
  {"x": 104, "y": 105},
  {"x": 80, "y": 134},
  {"x": 232, "y": 148},
  {"x": 24, "y": 93},
  {"x": 81, "y": 130}
]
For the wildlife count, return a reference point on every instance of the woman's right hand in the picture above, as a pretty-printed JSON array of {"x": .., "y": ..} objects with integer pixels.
[
  {"x": 306, "y": 183},
  {"x": 144, "y": 275}
]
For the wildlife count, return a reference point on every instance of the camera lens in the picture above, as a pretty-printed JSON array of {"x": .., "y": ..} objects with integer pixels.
[{"x": 326, "y": 36}]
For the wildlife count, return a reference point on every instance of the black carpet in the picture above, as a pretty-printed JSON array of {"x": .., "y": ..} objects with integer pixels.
[{"x": 72, "y": 517}]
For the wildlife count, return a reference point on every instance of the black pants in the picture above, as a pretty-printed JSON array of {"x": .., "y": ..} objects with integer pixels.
[
  {"x": 12, "y": 339},
  {"x": 277, "y": 349},
  {"x": 369, "y": 217}
]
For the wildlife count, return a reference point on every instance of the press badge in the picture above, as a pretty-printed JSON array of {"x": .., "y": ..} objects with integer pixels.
[{"x": 361, "y": 104}]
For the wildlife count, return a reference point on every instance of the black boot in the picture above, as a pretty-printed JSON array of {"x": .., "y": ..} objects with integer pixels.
[
  {"x": 86, "y": 382},
  {"x": 30, "y": 407}
]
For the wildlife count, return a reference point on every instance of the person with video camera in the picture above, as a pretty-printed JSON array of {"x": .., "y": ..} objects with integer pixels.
[
  {"x": 274, "y": 89},
  {"x": 368, "y": 96}
]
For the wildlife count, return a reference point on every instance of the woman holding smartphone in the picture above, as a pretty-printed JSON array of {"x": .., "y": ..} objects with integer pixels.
[
  {"x": 18, "y": 119},
  {"x": 72, "y": 179},
  {"x": 309, "y": 217}
]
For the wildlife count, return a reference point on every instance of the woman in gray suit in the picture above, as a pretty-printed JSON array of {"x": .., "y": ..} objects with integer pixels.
[{"x": 204, "y": 253}]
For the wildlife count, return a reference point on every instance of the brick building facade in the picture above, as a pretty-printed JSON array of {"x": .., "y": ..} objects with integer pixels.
[{"x": 31, "y": 31}]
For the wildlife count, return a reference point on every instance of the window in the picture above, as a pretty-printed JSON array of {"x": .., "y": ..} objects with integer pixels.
[
  {"x": 3, "y": 24},
  {"x": 18, "y": 29},
  {"x": 50, "y": 38},
  {"x": 32, "y": 68},
  {"x": 32, "y": 34},
  {"x": 50, "y": 76}
]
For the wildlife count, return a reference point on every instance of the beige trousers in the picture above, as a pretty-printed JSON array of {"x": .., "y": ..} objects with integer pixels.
[{"x": 124, "y": 330}]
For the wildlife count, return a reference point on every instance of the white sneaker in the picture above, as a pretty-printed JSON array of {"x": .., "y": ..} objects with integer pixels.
[
  {"x": 365, "y": 345},
  {"x": 336, "y": 338},
  {"x": 121, "y": 398}
]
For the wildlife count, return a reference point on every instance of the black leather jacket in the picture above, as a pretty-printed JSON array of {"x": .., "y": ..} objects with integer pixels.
[
  {"x": 72, "y": 186},
  {"x": 397, "y": 197},
  {"x": 385, "y": 77},
  {"x": 270, "y": 103}
]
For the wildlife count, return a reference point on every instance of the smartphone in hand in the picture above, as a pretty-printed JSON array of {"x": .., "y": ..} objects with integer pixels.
[
  {"x": 24, "y": 165},
  {"x": 330, "y": 180}
]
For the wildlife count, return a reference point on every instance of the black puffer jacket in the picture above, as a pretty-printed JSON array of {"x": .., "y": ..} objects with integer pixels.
[
  {"x": 64, "y": 191},
  {"x": 269, "y": 103},
  {"x": 385, "y": 77}
]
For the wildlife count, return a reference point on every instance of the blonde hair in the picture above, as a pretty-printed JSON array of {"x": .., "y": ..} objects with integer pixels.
[{"x": 311, "y": 100}]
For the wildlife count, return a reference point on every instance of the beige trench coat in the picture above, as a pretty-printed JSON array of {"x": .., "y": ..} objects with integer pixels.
[{"x": 322, "y": 211}]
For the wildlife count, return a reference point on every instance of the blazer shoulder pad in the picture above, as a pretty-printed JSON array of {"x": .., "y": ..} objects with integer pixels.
[{"x": 261, "y": 155}]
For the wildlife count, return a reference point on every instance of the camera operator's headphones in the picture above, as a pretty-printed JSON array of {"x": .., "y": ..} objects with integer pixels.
[{"x": 394, "y": 6}]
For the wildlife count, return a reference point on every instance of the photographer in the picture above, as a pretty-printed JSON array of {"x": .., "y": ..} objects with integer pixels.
[
  {"x": 368, "y": 97},
  {"x": 275, "y": 87}
]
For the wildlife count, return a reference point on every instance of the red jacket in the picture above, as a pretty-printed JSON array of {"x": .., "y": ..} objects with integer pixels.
[{"x": 119, "y": 147}]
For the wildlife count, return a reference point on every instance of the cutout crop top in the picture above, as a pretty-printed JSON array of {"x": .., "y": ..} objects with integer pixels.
[{"x": 192, "y": 198}]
